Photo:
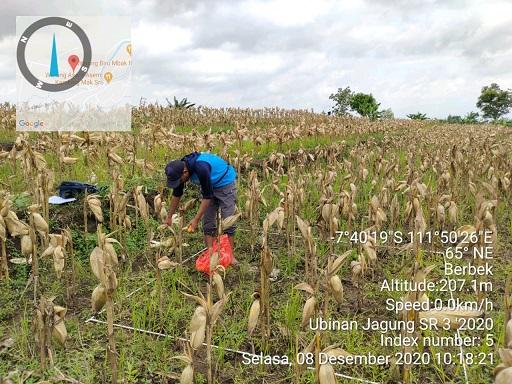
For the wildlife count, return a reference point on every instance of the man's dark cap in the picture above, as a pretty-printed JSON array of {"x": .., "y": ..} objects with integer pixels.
[{"x": 174, "y": 170}]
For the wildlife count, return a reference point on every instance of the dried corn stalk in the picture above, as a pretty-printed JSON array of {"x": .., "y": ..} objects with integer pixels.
[
  {"x": 204, "y": 320},
  {"x": 261, "y": 303},
  {"x": 140, "y": 203},
  {"x": 48, "y": 323},
  {"x": 311, "y": 261},
  {"x": 254, "y": 197},
  {"x": 103, "y": 261},
  {"x": 57, "y": 249}
]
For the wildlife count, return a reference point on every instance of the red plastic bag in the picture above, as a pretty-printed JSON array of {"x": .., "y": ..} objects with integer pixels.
[{"x": 225, "y": 257}]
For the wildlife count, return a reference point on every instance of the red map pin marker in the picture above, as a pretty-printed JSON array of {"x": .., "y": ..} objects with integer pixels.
[{"x": 73, "y": 61}]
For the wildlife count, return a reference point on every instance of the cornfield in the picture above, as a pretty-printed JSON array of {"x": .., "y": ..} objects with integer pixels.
[{"x": 100, "y": 290}]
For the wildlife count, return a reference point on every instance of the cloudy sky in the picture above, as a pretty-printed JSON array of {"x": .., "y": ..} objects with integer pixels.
[{"x": 431, "y": 56}]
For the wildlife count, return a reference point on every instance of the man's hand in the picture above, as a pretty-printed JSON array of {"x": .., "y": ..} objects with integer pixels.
[
  {"x": 168, "y": 220},
  {"x": 192, "y": 226}
]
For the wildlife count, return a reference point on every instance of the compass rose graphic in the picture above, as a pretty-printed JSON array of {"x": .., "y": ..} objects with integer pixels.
[{"x": 53, "y": 57}]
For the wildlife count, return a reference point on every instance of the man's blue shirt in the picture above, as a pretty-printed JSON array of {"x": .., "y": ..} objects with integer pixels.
[{"x": 209, "y": 171}]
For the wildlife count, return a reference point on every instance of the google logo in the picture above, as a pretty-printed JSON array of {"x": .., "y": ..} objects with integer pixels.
[{"x": 34, "y": 124}]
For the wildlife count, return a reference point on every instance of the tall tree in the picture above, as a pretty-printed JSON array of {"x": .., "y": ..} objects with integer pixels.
[
  {"x": 341, "y": 101},
  {"x": 365, "y": 105},
  {"x": 494, "y": 102}
]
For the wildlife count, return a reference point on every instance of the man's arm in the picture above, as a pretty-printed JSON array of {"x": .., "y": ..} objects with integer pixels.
[
  {"x": 175, "y": 200},
  {"x": 194, "y": 223},
  {"x": 202, "y": 170},
  {"x": 176, "y": 196},
  {"x": 200, "y": 212}
]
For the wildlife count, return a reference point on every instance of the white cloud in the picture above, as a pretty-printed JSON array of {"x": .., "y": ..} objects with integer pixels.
[
  {"x": 214, "y": 61},
  {"x": 7, "y": 68},
  {"x": 157, "y": 39}
]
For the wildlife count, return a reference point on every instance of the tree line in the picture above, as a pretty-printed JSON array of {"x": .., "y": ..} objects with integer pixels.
[{"x": 493, "y": 102}]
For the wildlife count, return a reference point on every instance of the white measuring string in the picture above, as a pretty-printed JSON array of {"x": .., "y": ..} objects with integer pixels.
[{"x": 248, "y": 354}]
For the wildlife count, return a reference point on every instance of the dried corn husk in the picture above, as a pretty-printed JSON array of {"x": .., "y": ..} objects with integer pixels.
[
  {"x": 165, "y": 243},
  {"x": 165, "y": 263},
  {"x": 141, "y": 203},
  {"x": 59, "y": 331},
  {"x": 157, "y": 204},
  {"x": 452, "y": 212},
  {"x": 95, "y": 206},
  {"x": 334, "y": 267},
  {"x": 40, "y": 223},
  {"x": 58, "y": 261},
  {"x": 98, "y": 298},
  {"x": 214, "y": 261},
  {"x": 219, "y": 284},
  {"x": 187, "y": 375},
  {"x": 336, "y": 288},
  {"x": 15, "y": 226},
  {"x": 26, "y": 245},
  {"x": 48, "y": 251},
  {"x": 111, "y": 252},
  {"x": 68, "y": 160},
  {"x": 55, "y": 240},
  {"x": 254, "y": 314},
  {"x": 272, "y": 217},
  {"x": 198, "y": 327},
  {"x": 20, "y": 260},
  {"x": 326, "y": 374},
  {"x": 308, "y": 311},
  {"x": 217, "y": 308},
  {"x": 163, "y": 214},
  {"x": 97, "y": 262},
  {"x": 115, "y": 158},
  {"x": 503, "y": 375},
  {"x": 305, "y": 287},
  {"x": 335, "y": 351},
  {"x": 303, "y": 227},
  {"x": 229, "y": 221}
]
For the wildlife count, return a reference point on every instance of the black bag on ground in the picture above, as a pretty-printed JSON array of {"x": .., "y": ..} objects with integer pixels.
[{"x": 69, "y": 189}]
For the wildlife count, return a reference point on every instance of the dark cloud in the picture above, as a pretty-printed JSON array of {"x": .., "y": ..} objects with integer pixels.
[{"x": 13, "y": 8}]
